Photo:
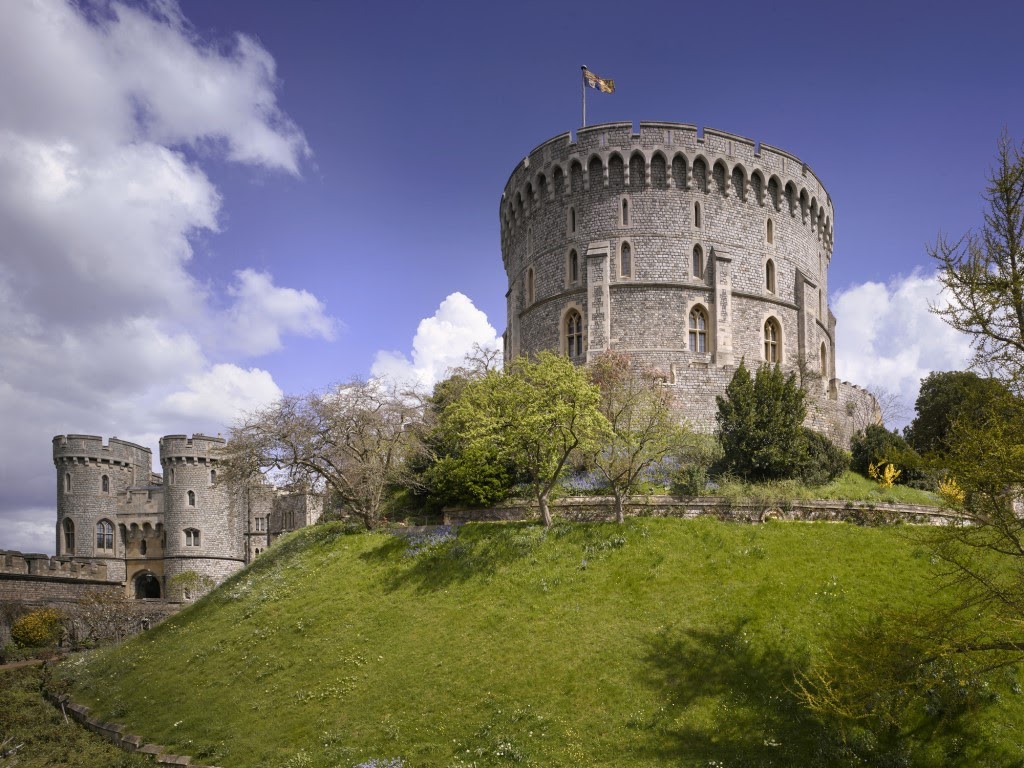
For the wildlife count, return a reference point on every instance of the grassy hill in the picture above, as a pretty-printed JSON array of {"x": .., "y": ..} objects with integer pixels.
[{"x": 656, "y": 643}]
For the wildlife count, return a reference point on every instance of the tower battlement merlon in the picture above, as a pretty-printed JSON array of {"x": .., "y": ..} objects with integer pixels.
[
  {"x": 91, "y": 448},
  {"x": 199, "y": 447}
]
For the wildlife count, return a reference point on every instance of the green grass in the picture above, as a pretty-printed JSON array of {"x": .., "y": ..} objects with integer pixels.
[
  {"x": 655, "y": 643},
  {"x": 44, "y": 739},
  {"x": 849, "y": 486}
]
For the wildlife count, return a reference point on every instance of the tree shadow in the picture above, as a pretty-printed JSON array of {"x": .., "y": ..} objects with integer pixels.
[
  {"x": 727, "y": 701},
  {"x": 474, "y": 552}
]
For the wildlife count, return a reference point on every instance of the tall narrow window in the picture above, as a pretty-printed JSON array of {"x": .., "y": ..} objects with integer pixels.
[
  {"x": 824, "y": 361},
  {"x": 105, "y": 535},
  {"x": 626, "y": 260},
  {"x": 191, "y": 537},
  {"x": 529, "y": 286},
  {"x": 696, "y": 215},
  {"x": 105, "y": 484},
  {"x": 574, "y": 267},
  {"x": 770, "y": 232},
  {"x": 67, "y": 482},
  {"x": 572, "y": 220},
  {"x": 772, "y": 336},
  {"x": 698, "y": 263},
  {"x": 213, "y": 476},
  {"x": 769, "y": 276},
  {"x": 574, "y": 334},
  {"x": 143, "y": 547},
  {"x": 191, "y": 498},
  {"x": 698, "y": 330},
  {"x": 171, "y": 475},
  {"x": 69, "y": 536},
  {"x": 821, "y": 303},
  {"x": 625, "y": 213}
]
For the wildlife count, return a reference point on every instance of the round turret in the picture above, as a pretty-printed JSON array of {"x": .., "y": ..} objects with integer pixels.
[
  {"x": 93, "y": 479},
  {"x": 204, "y": 530},
  {"x": 687, "y": 251}
]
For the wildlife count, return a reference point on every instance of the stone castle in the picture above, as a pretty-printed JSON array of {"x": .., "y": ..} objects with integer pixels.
[
  {"x": 688, "y": 251},
  {"x": 118, "y": 522}
]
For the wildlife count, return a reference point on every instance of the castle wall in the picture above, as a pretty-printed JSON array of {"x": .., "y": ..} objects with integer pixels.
[{"x": 760, "y": 219}]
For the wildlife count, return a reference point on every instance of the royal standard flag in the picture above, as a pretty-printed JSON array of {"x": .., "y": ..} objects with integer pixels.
[{"x": 604, "y": 86}]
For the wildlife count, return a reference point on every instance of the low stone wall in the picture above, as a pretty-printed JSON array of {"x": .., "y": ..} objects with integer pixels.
[
  {"x": 601, "y": 508},
  {"x": 117, "y": 733}
]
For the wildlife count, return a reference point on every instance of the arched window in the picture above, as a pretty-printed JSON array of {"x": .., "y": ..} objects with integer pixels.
[
  {"x": 529, "y": 286},
  {"x": 574, "y": 267},
  {"x": 696, "y": 215},
  {"x": 698, "y": 330},
  {"x": 769, "y": 276},
  {"x": 105, "y": 484},
  {"x": 626, "y": 260},
  {"x": 213, "y": 476},
  {"x": 572, "y": 220},
  {"x": 770, "y": 232},
  {"x": 824, "y": 361},
  {"x": 142, "y": 547},
  {"x": 69, "y": 536},
  {"x": 625, "y": 212},
  {"x": 67, "y": 482},
  {"x": 772, "y": 337},
  {"x": 191, "y": 537},
  {"x": 573, "y": 334},
  {"x": 698, "y": 263},
  {"x": 105, "y": 535},
  {"x": 191, "y": 498},
  {"x": 171, "y": 475}
]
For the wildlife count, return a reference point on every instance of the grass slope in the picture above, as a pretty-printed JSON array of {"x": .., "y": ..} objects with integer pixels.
[{"x": 660, "y": 642}]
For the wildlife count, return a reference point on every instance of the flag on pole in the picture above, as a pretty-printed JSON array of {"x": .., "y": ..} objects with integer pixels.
[{"x": 593, "y": 81}]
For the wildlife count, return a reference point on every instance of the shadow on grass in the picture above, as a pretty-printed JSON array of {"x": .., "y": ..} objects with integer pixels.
[
  {"x": 726, "y": 701},
  {"x": 481, "y": 550}
]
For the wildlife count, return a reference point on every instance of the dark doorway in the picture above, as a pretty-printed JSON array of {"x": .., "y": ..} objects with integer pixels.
[{"x": 146, "y": 586}]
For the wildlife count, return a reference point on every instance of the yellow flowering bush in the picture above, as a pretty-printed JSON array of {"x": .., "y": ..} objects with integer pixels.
[
  {"x": 38, "y": 629},
  {"x": 884, "y": 473},
  {"x": 951, "y": 492}
]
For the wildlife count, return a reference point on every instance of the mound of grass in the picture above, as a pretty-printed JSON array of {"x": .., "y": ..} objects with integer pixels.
[
  {"x": 654, "y": 643},
  {"x": 847, "y": 487}
]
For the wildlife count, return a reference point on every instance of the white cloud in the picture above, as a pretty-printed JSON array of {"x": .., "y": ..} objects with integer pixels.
[
  {"x": 220, "y": 396},
  {"x": 262, "y": 311},
  {"x": 887, "y": 338},
  {"x": 442, "y": 342},
  {"x": 107, "y": 114}
]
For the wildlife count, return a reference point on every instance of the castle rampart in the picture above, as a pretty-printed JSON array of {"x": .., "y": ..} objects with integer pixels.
[{"x": 689, "y": 251}]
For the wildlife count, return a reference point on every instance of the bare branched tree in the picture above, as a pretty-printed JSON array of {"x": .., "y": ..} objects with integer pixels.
[{"x": 351, "y": 441}]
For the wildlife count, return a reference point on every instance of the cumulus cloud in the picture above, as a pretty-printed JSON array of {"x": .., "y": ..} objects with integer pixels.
[
  {"x": 442, "y": 341},
  {"x": 263, "y": 311},
  {"x": 107, "y": 114},
  {"x": 887, "y": 339}
]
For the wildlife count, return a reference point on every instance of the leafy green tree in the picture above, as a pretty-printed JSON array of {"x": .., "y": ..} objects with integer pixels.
[
  {"x": 876, "y": 445},
  {"x": 983, "y": 273},
  {"x": 823, "y": 461},
  {"x": 760, "y": 424},
  {"x": 945, "y": 398},
  {"x": 643, "y": 430},
  {"x": 534, "y": 416}
]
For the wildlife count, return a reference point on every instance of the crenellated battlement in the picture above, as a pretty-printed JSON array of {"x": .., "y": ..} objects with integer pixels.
[
  {"x": 671, "y": 156},
  {"x": 198, "y": 448},
  {"x": 38, "y": 565},
  {"x": 92, "y": 449}
]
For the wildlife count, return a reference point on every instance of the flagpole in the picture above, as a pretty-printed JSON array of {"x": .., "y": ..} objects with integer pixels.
[{"x": 583, "y": 89}]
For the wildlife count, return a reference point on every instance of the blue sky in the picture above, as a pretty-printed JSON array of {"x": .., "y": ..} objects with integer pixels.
[{"x": 207, "y": 204}]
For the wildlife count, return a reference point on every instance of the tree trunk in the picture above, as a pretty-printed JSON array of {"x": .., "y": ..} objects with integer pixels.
[
  {"x": 545, "y": 512},
  {"x": 619, "y": 516}
]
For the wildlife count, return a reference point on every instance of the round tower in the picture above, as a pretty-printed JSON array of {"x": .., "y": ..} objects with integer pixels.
[
  {"x": 204, "y": 532},
  {"x": 93, "y": 480},
  {"x": 688, "y": 251}
]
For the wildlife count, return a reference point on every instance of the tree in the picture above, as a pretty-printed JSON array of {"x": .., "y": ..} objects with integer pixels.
[
  {"x": 760, "y": 424},
  {"x": 643, "y": 430},
  {"x": 534, "y": 416},
  {"x": 352, "y": 441},
  {"x": 983, "y": 274},
  {"x": 945, "y": 398}
]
